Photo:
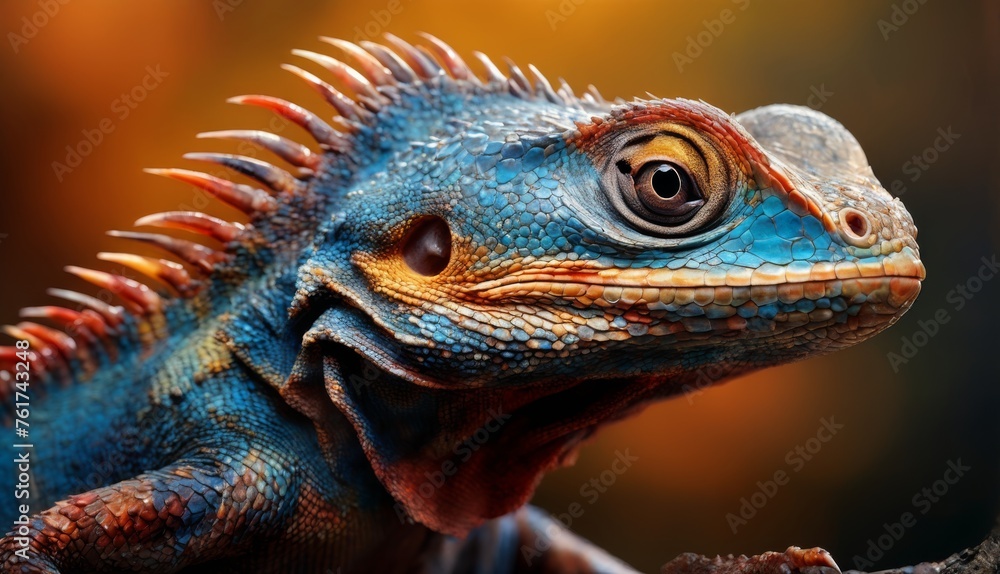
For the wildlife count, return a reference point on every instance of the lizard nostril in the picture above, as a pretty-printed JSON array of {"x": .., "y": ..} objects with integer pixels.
[
  {"x": 426, "y": 247},
  {"x": 854, "y": 224}
]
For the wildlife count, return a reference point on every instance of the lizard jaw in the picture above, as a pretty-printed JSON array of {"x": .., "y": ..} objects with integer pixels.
[
  {"x": 869, "y": 295},
  {"x": 902, "y": 272}
]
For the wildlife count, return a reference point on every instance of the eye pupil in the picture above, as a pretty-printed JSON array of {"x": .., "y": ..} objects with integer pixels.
[
  {"x": 426, "y": 249},
  {"x": 666, "y": 182},
  {"x": 665, "y": 192}
]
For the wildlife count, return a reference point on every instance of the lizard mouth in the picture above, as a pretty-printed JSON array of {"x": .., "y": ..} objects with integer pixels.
[{"x": 813, "y": 291}]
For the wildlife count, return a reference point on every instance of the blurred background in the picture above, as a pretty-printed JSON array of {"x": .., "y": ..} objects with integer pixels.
[{"x": 900, "y": 74}]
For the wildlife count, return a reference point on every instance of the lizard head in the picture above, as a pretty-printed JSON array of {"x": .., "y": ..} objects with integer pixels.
[
  {"x": 648, "y": 240},
  {"x": 502, "y": 245},
  {"x": 473, "y": 274}
]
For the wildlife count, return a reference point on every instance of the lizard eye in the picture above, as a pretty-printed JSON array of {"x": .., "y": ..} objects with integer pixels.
[
  {"x": 668, "y": 184},
  {"x": 426, "y": 248},
  {"x": 666, "y": 190}
]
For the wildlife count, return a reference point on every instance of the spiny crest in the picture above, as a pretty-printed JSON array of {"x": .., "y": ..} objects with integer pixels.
[{"x": 89, "y": 331}]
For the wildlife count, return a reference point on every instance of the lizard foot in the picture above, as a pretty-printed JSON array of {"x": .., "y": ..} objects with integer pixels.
[{"x": 795, "y": 560}]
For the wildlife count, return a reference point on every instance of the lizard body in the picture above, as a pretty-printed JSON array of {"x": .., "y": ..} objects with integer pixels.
[{"x": 421, "y": 318}]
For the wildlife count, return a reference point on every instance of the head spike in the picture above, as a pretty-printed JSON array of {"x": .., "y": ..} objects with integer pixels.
[
  {"x": 82, "y": 332},
  {"x": 368, "y": 65},
  {"x": 288, "y": 150},
  {"x": 425, "y": 66},
  {"x": 249, "y": 200},
  {"x": 112, "y": 315},
  {"x": 199, "y": 256},
  {"x": 518, "y": 82},
  {"x": 452, "y": 61},
  {"x": 136, "y": 296},
  {"x": 17, "y": 333},
  {"x": 196, "y": 222},
  {"x": 493, "y": 73},
  {"x": 350, "y": 77},
  {"x": 61, "y": 342},
  {"x": 565, "y": 91},
  {"x": 43, "y": 349},
  {"x": 543, "y": 86},
  {"x": 8, "y": 354},
  {"x": 317, "y": 128},
  {"x": 592, "y": 90},
  {"x": 345, "y": 106},
  {"x": 76, "y": 322},
  {"x": 400, "y": 69},
  {"x": 8, "y": 357},
  {"x": 166, "y": 272},
  {"x": 272, "y": 176}
]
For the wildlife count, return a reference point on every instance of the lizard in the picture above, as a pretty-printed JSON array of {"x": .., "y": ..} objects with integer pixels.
[{"x": 458, "y": 281}]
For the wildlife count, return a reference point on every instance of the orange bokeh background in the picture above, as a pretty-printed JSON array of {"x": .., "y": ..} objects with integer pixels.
[{"x": 698, "y": 456}]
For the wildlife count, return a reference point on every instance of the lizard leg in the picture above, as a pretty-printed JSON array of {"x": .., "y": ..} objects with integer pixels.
[
  {"x": 159, "y": 521},
  {"x": 792, "y": 560},
  {"x": 531, "y": 541},
  {"x": 525, "y": 541}
]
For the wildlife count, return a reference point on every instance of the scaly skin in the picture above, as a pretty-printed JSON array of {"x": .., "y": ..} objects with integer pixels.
[{"x": 427, "y": 314}]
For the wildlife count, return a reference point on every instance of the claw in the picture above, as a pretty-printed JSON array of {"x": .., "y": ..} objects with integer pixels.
[{"x": 792, "y": 560}]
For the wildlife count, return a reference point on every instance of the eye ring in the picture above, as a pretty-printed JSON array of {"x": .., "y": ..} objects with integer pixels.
[{"x": 674, "y": 182}]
